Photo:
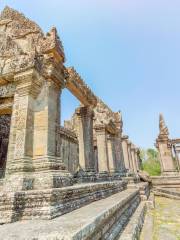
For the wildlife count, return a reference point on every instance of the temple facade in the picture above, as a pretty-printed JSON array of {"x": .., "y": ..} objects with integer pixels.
[
  {"x": 46, "y": 169},
  {"x": 35, "y": 149}
]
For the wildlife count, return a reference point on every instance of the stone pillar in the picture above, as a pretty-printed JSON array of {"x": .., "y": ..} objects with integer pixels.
[
  {"x": 125, "y": 152},
  {"x": 85, "y": 136},
  {"x": 166, "y": 158},
  {"x": 177, "y": 154},
  {"x": 133, "y": 153},
  {"x": 47, "y": 161},
  {"x": 137, "y": 157},
  {"x": 111, "y": 154},
  {"x": 120, "y": 165},
  {"x": 101, "y": 135},
  {"x": 20, "y": 149},
  {"x": 32, "y": 162},
  {"x": 130, "y": 157},
  {"x": 164, "y": 147}
]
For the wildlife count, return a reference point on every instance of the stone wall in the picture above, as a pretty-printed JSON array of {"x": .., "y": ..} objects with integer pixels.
[{"x": 69, "y": 149}]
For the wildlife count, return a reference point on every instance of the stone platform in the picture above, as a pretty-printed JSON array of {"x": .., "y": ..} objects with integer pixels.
[
  {"x": 168, "y": 181},
  {"x": 167, "y": 192},
  {"x": 51, "y": 203},
  {"x": 103, "y": 219}
]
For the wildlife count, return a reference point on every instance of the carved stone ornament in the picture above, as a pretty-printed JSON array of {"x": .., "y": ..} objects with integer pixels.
[
  {"x": 162, "y": 127},
  {"x": 23, "y": 45},
  {"x": 79, "y": 88}
]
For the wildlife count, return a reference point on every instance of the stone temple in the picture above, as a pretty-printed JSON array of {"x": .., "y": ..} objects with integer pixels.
[{"x": 77, "y": 181}]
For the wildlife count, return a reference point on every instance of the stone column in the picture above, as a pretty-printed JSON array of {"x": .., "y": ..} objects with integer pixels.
[
  {"x": 133, "y": 158},
  {"x": 166, "y": 158},
  {"x": 137, "y": 157},
  {"x": 177, "y": 154},
  {"x": 120, "y": 165},
  {"x": 111, "y": 154},
  {"x": 101, "y": 135},
  {"x": 32, "y": 162},
  {"x": 164, "y": 147},
  {"x": 125, "y": 152},
  {"x": 20, "y": 149},
  {"x": 48, "y": 163},
  {"x": 85, "y": 136},
  {"x": 130, "y": 157}
]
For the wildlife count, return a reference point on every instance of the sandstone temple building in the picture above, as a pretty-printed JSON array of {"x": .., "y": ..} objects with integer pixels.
[{"x": 49, "y": 171}]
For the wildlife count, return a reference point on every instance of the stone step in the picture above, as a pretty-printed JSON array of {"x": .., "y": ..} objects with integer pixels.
[
  {"x": 133, "y": 228},
  {"x": 168, "y": 191},
  {"x": 167, "y": 195},
  {"x": 51, "y": 203},
  {"x": 92, "y": 222},
  {"x": 144, "y": 188}
]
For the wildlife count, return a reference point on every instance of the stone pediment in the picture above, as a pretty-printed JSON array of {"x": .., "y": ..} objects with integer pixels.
[
  {"x": 18, "y": 23},
  {"x": 23, "y": 45},
  {"x": 104, "y": 115}
]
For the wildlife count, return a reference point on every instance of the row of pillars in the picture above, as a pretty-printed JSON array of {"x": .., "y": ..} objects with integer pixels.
[
  {"x": 32, "y": 160},
  {"x": 109, "y": 149},
  {"x": 131, "y": 156}
]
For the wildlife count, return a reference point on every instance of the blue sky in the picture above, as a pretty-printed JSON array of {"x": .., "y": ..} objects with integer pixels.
[{"x": 128, "y": 52}]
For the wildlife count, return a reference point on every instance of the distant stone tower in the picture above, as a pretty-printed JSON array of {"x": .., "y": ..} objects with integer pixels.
[{"x": 164, "y": 147}]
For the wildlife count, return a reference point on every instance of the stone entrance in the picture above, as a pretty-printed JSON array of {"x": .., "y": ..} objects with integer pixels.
[{"x": 4, "y": 140}]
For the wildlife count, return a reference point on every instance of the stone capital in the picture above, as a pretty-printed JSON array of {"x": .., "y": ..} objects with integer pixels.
[
  {"x": 54, "y": 73},
  {"x": 100, "y": 129},
  {"x": 111, "y": 137},
  {"x": 133, "y": 148},
  {"x": 83, "y": 112},
  {"x": 28, "y": 83},
  {"x": 125, "y": 138}
]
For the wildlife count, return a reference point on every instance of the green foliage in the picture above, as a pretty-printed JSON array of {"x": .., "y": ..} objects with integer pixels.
[{"x": 150, "y": 162}]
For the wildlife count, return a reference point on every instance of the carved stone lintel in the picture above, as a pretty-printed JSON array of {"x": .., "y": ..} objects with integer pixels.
[{"x": 78, "y": 87}]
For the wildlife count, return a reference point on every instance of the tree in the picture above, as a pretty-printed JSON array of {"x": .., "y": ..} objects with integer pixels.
[{"x": 150, "y": 161}]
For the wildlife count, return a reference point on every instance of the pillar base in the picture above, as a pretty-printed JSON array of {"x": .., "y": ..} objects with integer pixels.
[
  {"x": 103, "y": 176},
  {"x": 83, "y": 176},
  {"x": 170, "y": 173},
  {"x": 37, "y": 180},
  {"x": 115, "y": 175},
  {"x": 36, "y": 174}
]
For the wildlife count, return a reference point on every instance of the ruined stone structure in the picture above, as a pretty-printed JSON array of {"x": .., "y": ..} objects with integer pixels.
[
  {"x": 169, "y": 182},
  {"x": 165, "y": 146},
  {"x": 47, "y": 170}
]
